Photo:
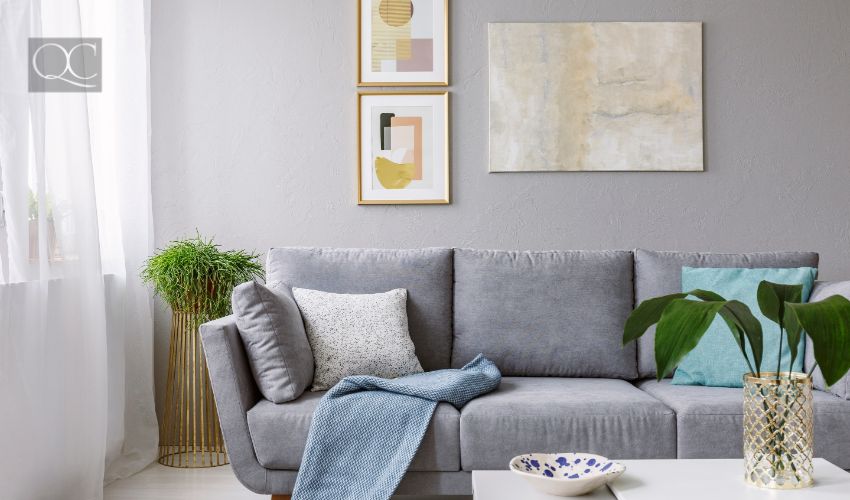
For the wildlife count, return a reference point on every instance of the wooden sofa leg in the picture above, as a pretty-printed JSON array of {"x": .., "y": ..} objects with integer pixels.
[{"x": 281, "y": 497}]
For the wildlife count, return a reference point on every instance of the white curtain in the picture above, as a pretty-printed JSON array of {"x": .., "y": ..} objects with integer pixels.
[{"x": 76, "y": 369}]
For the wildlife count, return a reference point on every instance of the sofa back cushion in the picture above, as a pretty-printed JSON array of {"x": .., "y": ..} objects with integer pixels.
[
  {"x": 544, "y": 313},
  {"x": 660, "y": 273},
  {"x": 426, "y": 274}
]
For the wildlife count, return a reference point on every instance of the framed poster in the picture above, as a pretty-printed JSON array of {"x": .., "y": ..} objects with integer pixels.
[
  {"x": 402, "y": 42},
  {"x": 617, "y": 97},
  {"x": 403, "y": 148}
]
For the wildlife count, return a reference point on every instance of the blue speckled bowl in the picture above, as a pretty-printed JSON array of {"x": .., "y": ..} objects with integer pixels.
[{"x": 566, "y": 474}]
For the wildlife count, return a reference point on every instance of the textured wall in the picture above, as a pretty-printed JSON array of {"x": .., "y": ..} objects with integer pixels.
[{"x": 254, "y": 135}]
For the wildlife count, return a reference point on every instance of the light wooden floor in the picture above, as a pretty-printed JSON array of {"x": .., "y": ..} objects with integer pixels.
[{"x": 158, "y": 482}]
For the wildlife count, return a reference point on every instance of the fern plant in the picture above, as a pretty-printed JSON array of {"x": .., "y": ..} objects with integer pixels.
[{"x": 194, "y": 275}]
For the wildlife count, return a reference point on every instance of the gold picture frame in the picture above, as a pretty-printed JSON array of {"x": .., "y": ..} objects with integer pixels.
[
  {"x": 444, "y": 68},
  {"x": 440, "y": 175}
]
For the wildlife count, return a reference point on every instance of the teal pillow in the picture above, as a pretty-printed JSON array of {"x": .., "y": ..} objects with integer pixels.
[{"x": 717, "y": 360}]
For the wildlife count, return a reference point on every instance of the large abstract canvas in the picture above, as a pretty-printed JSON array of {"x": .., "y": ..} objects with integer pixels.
[
  {"x": 595, "y": 96},
  {"x": 403, "y": 42},
  {"x": 403, "y": 148}
]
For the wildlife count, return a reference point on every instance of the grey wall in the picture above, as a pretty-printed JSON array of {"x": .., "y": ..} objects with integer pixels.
[{"x": 254, "y": 135}]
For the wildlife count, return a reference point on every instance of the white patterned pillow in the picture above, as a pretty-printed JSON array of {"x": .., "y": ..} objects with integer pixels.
[{"x": 357, "y": 334}]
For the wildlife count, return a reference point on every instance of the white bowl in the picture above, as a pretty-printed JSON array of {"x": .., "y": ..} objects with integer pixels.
[{"x": 566, "y": 474}]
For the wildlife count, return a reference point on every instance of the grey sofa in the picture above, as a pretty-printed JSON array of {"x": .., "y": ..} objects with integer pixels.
[{"x": 552, "y": 322}]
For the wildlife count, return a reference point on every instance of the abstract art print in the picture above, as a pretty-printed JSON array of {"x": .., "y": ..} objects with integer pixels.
[
  {"x": 403, "y": 148},
  {"x": 402, "y": 42},
  {"x": 596, "y": 96}
]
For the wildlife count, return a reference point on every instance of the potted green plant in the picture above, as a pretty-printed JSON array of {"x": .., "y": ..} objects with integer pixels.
[
  {"x": 52, "y": 246},
  {"x": 195, "y": 278},
  {"x": 778, "y": 431}
]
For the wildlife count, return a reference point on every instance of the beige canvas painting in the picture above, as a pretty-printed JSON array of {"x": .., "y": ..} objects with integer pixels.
[{"x": 595, "y": 96}]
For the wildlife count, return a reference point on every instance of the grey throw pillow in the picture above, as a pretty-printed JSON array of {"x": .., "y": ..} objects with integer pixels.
[
  {"x": 275, "y": 341},
  {"x": 363, "y": 334}
]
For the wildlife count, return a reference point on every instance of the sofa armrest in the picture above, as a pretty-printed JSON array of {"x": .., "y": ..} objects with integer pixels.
[
  {"x": 822, "y": 290},
  {"x": 235, "y": 393}
]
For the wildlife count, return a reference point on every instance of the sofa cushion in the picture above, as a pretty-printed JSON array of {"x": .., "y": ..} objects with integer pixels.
[
  {"x": 544, "y": 313},
  {"x": 273, "y": 334},
  {"x": 660, "y": 273},
  {"x": 357, "y": 334},
  {"x": 605, "y": 416},
  {"x": 710, "y": 421},
  {"x": 716, "y": 360},
  {"x": 426, "y": 274},
  {"x": 279, "y": 434}
]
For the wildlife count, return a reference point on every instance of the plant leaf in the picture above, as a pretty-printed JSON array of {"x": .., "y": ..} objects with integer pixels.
[
  {"x": 741, "y": 322},
  {"x": 744, "y": 324},
  {"x": 706, "y": 295},
  {"x": 773, "y": 296},
  {"x": 645, "y": 315},
  {"x": 828, "y": 324},
  {"x": 682, "y": 325},
  {"x": 794, "y": 331}
]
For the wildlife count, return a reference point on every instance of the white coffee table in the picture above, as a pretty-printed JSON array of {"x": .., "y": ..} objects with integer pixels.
[{"x": 673, "y": 480}]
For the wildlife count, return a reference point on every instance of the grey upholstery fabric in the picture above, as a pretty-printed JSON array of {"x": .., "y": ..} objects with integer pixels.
[
  {"x": 273, "y": 335},
  {"x": 544, "y": 313},
  {"x": 709, "y": 421},
  {"x": 426, "y": 274},
  {"x": 660, "y": 273},
  {"x": 235, "y": 392},
  {"x": 822, "y": 290},
  {"x": 279, "y": 433},
  {"x": 604, "y": 416}
]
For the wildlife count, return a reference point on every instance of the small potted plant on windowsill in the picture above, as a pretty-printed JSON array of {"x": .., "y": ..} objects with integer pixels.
[
  {"x": 196, "y": 279},
  {"x": 778, "y": 430},
  {"x": 50, "y": 229}
]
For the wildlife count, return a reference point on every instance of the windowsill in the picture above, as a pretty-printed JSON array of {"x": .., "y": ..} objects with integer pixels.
[{"x": 106, "y": 277}]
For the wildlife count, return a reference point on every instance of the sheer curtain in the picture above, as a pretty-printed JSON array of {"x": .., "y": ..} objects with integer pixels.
[{"x": 76, "y": 369}]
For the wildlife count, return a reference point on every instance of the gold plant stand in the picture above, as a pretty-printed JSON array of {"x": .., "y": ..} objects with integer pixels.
[
  {"x": 189, "y": 433},
  {"x": 778, "y": 430}
]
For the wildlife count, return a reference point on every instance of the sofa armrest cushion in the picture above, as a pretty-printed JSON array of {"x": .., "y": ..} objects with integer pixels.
[
  {"x": 272, "y": 332},
  {"x": 821, "y": 291}
]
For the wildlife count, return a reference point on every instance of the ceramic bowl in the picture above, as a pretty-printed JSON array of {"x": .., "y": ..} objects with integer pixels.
[{"x": 566, "y": 474}]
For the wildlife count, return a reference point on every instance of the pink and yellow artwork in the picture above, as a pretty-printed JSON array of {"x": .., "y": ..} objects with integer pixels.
[
  {"x": 399, "y": 162},
  {"x": 396, "y": 45},
  {"x": 403, "y": 147},
  {"x": 403, "y": 41}
]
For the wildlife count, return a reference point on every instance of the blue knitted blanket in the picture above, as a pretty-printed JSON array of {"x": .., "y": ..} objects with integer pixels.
[{"x": 366, "y": 429}]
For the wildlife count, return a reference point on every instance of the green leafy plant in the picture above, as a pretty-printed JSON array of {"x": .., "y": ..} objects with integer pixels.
[
  {"x": 33, "y": 206},
  {"x": 682, "y": 321},
  {"x": 194, "y": 275}
]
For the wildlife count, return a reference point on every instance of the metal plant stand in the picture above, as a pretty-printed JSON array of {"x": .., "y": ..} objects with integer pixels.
[{"x": 189, "y": 433}]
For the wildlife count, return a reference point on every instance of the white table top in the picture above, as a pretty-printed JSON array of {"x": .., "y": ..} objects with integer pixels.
[
  {"x": 505, "y": 485},
  {"x": 670, "y": 479}
]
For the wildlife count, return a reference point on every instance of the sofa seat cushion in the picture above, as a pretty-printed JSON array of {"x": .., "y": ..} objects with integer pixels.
[
  {"x": 555, "y": 314},
  {"x": 710, "y": 421},
  {"x": 529, "y": 414},
  {"x": 279, "y": 434}
]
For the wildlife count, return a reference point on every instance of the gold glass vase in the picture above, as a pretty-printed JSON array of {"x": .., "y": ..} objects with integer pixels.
[
  {"x": 189, "y": 433},
  {"x": 778, "y": 430}
]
